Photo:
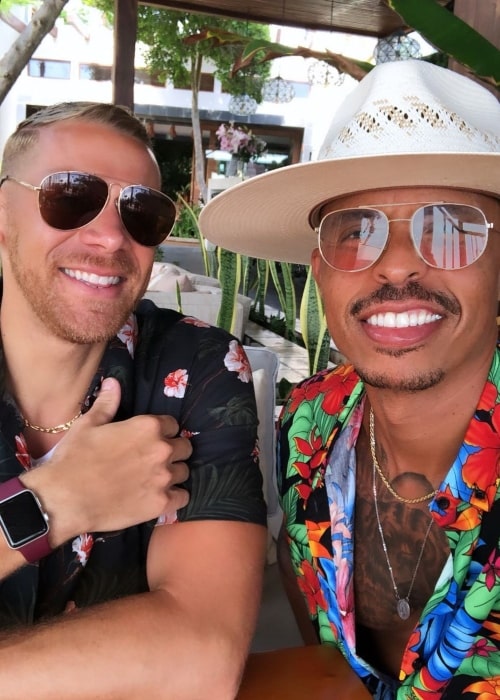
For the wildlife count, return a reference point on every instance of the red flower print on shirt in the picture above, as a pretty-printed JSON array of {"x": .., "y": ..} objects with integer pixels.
[
  {"x": 336, "y": 394},
  {"x": 307, "y": 391},
  {"x": 82, "y": 546},
  {"x": 309, "y": 585},
  {"x": 189, "y": 433},
  {"x": 236, "y": 361},
  {"x": 22, "y": 453},
  {"x": 128, "y": 334},
  {"x": 192, "y": 321},
  {"x": 176, "y": 383}
]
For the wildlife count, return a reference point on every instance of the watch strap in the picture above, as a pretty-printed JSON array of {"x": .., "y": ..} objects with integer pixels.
[{"x": 38, "y": 548}]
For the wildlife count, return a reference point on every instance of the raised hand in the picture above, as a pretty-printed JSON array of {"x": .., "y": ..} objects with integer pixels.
[{"x": 107, "y": 476}]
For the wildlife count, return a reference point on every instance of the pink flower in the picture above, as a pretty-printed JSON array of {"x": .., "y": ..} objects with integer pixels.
[
  {"x": 128, "y": 334},
  {"x": 240, "y": 140},
  {"x": 192, "y": 321},
  {"x": 82, "y": 546},
  {"x": 176, "y": 383},
  {"x": 189, "y": 433},
  {"x": 236, "y": 361}
]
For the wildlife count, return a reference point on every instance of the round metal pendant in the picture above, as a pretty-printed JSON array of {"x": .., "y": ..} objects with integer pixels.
[{"x": 403, "y": 608}]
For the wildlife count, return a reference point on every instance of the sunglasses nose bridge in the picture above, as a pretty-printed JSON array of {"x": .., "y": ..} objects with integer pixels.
[
  {"x": 109, "y": 234},
  {"x": 115, "y": 192}
]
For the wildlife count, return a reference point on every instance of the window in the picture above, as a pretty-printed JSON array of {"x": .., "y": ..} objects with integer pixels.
[
  {"x": 145, "y": 77},
  {"x": 93, "y": 71},
  {"x": 41, "y": 68},
  {"x": 206, "y": 83}
]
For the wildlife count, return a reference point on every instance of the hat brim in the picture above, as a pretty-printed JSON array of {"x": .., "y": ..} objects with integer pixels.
[{"x": 268, "y": 216}]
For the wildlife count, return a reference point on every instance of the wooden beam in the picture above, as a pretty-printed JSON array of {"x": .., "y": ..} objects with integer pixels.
[
  {"x": 125, "y": 31},
  {"x": 484, "y": 17}
]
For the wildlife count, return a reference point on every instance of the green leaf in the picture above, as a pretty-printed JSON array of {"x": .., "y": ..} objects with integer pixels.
[
  {"x": 313, "y": 326},
  {"x": 453, "y": 36},
  {"x": 229, "y": 277}
]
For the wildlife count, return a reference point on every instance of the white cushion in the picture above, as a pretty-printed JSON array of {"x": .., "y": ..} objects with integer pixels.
[{"x": 265, "y": 364}]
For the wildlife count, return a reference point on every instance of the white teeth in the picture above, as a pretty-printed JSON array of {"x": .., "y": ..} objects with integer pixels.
[
  {"x": 402, "y": 320},
  {"x": 91, "y": 278}
]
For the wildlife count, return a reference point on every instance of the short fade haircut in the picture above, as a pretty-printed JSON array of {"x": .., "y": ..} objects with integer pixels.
[{"x": 26, "y": 134}]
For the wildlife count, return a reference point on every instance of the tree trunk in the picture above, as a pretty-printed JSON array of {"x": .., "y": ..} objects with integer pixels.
[
  {"x": 26, "y": 44},
  {"x": 199, "y": 156}
]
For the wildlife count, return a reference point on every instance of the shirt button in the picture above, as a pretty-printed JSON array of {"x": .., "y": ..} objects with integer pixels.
[{"x": 442, "y": 503}]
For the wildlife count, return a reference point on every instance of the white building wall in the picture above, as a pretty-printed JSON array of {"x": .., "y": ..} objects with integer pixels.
[{"x": 312, "y": 112}]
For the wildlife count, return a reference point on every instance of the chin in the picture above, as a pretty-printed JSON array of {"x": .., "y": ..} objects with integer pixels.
[{"x": 410, "y": 383}]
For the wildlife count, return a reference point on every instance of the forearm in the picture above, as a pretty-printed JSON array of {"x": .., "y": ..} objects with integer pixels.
[{"x": 144, "y": 646}]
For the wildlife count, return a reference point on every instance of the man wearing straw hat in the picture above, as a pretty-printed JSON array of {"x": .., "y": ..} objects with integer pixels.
[{"x": 389, "y": 467}]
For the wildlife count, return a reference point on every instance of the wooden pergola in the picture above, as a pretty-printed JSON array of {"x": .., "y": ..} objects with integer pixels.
[{"x": 362, "y": 17}]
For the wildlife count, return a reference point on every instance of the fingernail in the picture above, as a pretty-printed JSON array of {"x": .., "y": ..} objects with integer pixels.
[{"x": 106, "y": 384}]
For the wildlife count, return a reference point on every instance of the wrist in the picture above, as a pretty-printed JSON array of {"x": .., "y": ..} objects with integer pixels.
[{"x": 23, "y": 520}]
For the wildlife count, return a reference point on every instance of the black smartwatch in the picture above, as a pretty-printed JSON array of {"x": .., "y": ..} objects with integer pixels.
[{"x": 23, "y": 520}]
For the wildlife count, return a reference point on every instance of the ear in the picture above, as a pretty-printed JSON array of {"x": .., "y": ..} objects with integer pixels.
[{"x": 316, "y": 261}]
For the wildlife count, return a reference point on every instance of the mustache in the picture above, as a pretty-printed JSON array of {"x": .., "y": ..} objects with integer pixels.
[
  {"x": 120, "y": 262},
  {"x": 412, "y": 290}
]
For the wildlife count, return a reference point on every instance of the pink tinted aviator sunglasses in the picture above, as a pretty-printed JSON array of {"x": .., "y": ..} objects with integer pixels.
[{"x": 445, "y": 236}]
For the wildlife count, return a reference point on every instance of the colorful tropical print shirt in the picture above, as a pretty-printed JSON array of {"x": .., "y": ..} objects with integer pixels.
[
  {"x": 454, "y": 651},
  {"x": 166, "y": 364}
]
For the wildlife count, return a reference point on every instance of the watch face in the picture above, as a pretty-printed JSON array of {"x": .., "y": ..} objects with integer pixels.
[{"x": 22, "y": 519}]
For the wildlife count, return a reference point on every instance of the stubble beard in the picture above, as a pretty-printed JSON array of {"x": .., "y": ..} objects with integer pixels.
[
  {"x": 96, "y": 323},
  {"x": 410, "y": 384}
]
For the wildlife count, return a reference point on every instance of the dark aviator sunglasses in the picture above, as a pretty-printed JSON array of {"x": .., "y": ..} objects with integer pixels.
[{"x": 68, "y": 200}]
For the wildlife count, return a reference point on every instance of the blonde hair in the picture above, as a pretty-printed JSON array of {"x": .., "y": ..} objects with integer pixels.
[{"x": 26, "y": 134}]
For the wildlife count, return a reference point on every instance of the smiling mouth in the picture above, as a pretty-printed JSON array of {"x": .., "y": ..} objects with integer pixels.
[
  {"x": 405, "y": 319},
  {"x": 93, "y": 279}
]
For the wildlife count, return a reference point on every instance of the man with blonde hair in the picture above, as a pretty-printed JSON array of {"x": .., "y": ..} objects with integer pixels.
[
  {"x": 129, "y": 479},
  {"x": 389, "y": 466}
]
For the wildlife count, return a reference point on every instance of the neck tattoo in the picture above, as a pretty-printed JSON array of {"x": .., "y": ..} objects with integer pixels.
[
  {"x": 402, "y": 604},
  {"x": 61, "y": 428},
  {"x": 385, "y": 480}
]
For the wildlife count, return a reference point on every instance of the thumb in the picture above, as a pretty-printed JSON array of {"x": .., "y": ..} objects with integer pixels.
[{"x": 107, "y": 402}]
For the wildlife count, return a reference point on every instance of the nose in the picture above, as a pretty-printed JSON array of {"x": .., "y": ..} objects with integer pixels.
[
  {"x": 399, "y": 262},
  {"x": 107, "y": 231}
]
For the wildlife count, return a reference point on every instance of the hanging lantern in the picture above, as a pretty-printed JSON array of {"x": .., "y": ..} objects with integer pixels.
[
  {"x": 397, "y": 47},
  {"x": 323, "y": 74},
  {"x": 278, "y": 91},
  {"x": 242, "y": 105}
]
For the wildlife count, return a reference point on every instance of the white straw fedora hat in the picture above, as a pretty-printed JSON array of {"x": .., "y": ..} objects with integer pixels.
[{"x": 407, "y": 123}]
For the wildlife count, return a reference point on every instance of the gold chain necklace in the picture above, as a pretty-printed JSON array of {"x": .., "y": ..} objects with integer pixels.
[
  {"x": 61, "y": 428},
  {"x": 383, "y": 476},
  {"x": 403, "y": 604}
]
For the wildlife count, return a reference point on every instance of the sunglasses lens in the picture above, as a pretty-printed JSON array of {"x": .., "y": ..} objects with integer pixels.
[
  {"x": 148, "y": 215},
  {"x": 352, "y": 239},
  {"x": 68, "y": 200},
  {"x": 449, "y": 236}
]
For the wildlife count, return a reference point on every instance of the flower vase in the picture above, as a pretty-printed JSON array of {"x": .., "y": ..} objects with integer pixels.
[
  {"x": 232, "y": 166},
  {"x": 236, "y": 166}
]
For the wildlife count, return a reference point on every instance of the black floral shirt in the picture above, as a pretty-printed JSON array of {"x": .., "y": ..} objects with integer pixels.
[{"x": 166, "y": 364}]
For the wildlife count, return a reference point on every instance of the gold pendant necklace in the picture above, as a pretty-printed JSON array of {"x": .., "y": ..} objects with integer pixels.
[
  {"x": 61, "y": 428},
  {"x": 403, "y": 604},
  {"x": 385, "y": 480}
]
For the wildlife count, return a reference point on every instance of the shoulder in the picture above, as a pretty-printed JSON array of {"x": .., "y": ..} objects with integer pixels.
[
  {"x": 160, "y": 326},
  {"x": 328, "y": 391},
  {"x": 204, "y": 359}
]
